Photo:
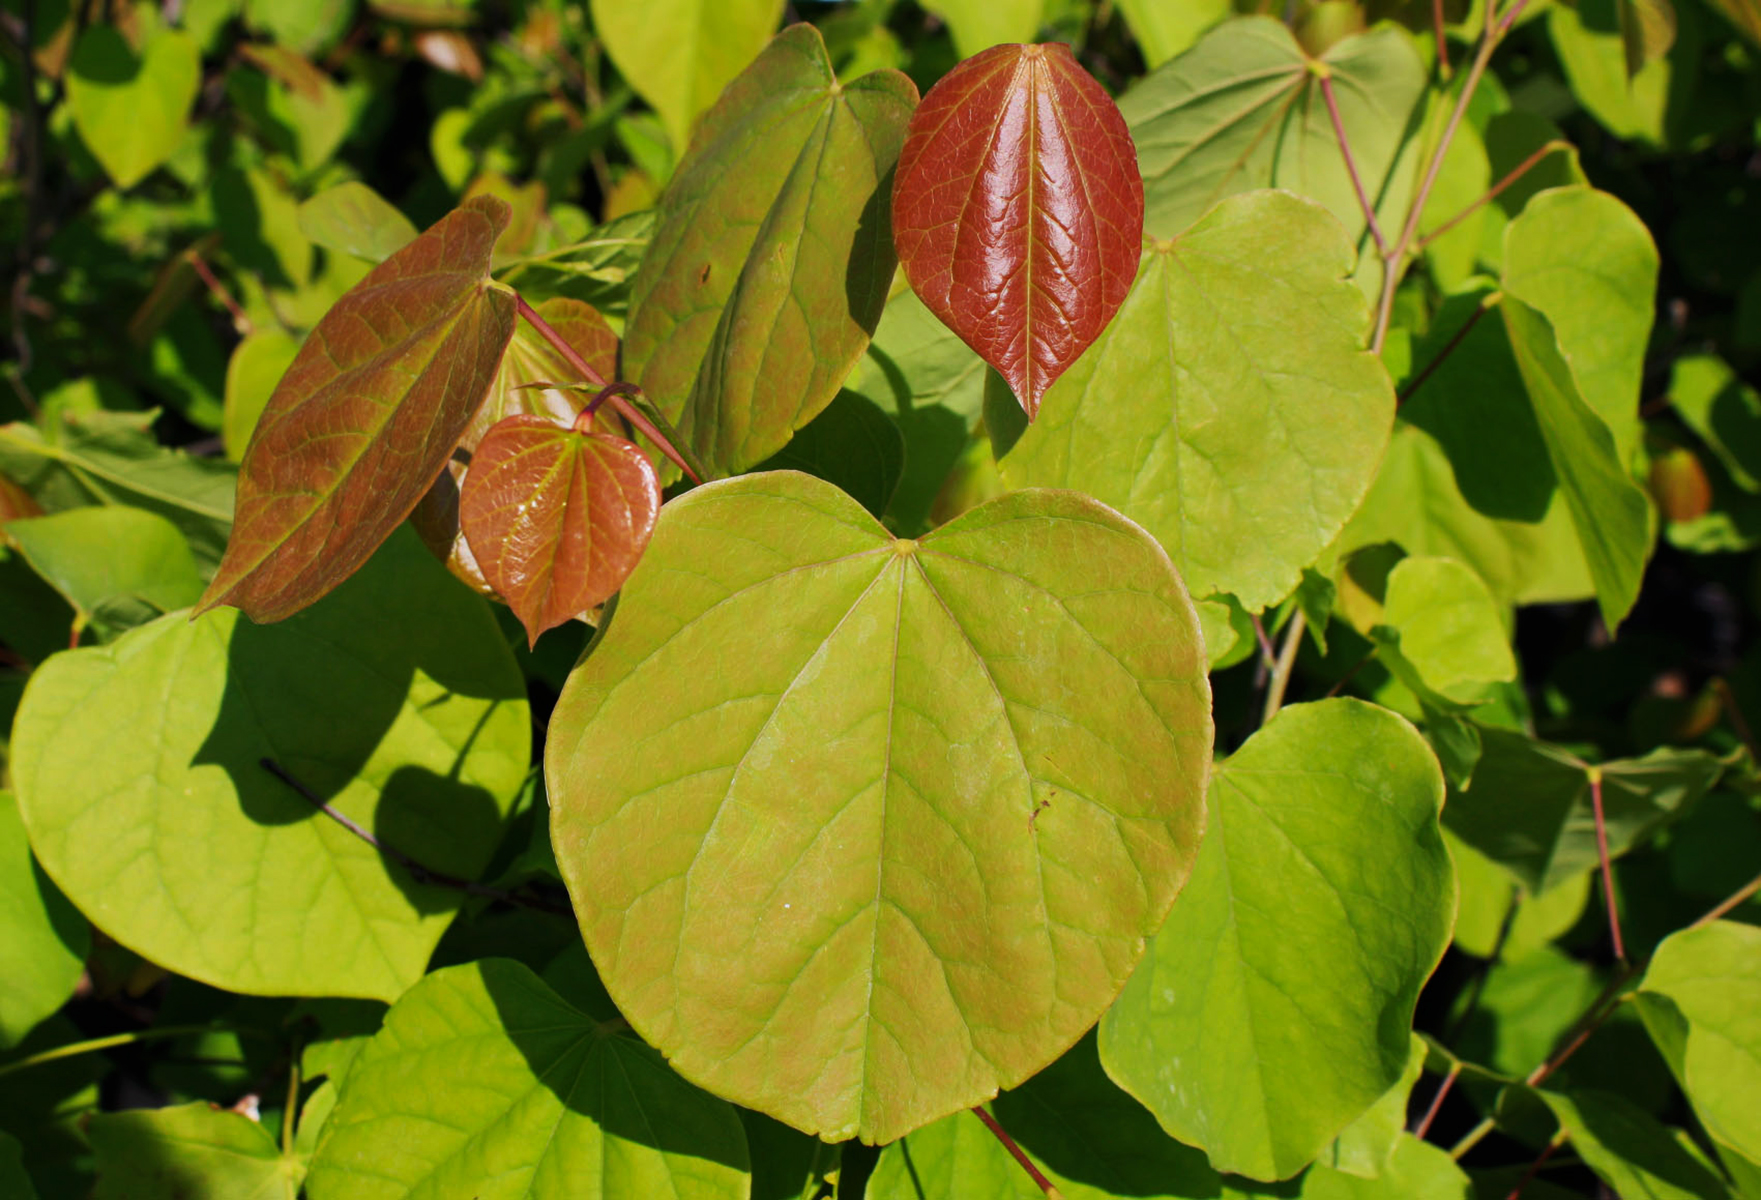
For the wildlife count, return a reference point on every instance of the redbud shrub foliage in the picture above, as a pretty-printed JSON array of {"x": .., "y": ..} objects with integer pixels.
[{"x": 1008, "y": 599}]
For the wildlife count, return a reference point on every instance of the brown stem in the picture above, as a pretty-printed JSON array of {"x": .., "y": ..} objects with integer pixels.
[
  {"x": 1268, "y": 656},
  {"x": 1535, "y": 1167},
  {"x": 1424, "y": 1125},
  {"x": 1045, "y": 1185},
  {"x": 25, "y": 255},
  {"x": 1491, "y": 194},
  {"x": 1442, "y": 41},
  {"x": 417, "y": 871},
  {"x": 1724, "y": 906},
  {"x": 1460, "y": 335},
  {"x": 1607, "y": 869},
  {"x": 1363, "y": 197},
  {"x": 199, "y": 265}
]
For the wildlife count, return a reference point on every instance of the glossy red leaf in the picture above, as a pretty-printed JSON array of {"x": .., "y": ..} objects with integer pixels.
[
  {"x": 556, "y": 517},
  {"x": 1018, "y": 210},
  {"x": 366, "y": 416}
]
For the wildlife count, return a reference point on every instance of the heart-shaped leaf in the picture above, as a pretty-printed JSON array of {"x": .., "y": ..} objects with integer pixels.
[
  {"x": 160, "y": 1154},
  {"x": 178, "y": 841},
  {"x": 1234, "y": 1032},
  {"x": 43, "y": 939},
  {"x": 1231, "y": 407},
  {"x": 771, "y": 263},
  {"x": 556, "y": 517},
  {"x": 132, "y": 109},
  {"x": 119, "y": 566},
  {"x": 903, "y": 844},
  {"x": 496, "y": 1087},
  {"x": 1018, "y": 211},
  {"x": 366, "y": 416}
]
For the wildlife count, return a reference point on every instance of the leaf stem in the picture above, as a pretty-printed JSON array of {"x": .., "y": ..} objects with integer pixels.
[
  {"x": 1286, "y": 662},
  {"x": 1535, "y": 1167},
  {"x": 291, "y": 1108},
  {"x": 417, "y": 871},
  {"x": 1491, "y": 194},
  {"x": 1746, "y": 892},
  {"x": 1460, "y": 335},
  {"x": 1357, "y": 183},
  {"x": 1607, "y": 869},
  {"x": 1424, "y": 1125},
  {"x": 1442, "y": 41},
  {"x": 1020, "y": 1156},
  {"x": 93, "y": 1045},
  {"x": 240, "y": 322}
]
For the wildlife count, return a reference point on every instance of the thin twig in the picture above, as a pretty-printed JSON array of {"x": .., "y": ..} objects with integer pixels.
[
  {"x": 1535, "y": 1167},
  {"x": 1363, "y": 197},
  {"x": 417, "y": 871},
  {"x": 1516, "y": 173},
  {"x": 1268, "y": 656},
  {"x": 1442, "y": 41},
  {"x": 1286, "y": 662},
  {"x": 119, "y": 1039},
  {"x": 1045, "y": 1185},
  {"x": 240, "y": 321},
  {"x": 1351, "y": 674},
  {"x": 1424, "y": 1125},
  {"x": 1449, "y": 347},
  {"x": 1602, "y": 857},
  {"x": 1737, "y": 897}
]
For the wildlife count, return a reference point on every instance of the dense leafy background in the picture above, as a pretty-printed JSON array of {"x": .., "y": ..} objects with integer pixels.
[{"x": 880, "y": 789}]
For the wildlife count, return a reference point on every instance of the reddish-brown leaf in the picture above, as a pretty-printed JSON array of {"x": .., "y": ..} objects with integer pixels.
[
  {"x": 366, "y": 416},
  {"x": 555, "y": 517},
  {"x": 1018, "y": 210}
]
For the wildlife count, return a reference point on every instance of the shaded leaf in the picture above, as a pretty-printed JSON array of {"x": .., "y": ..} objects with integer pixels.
[
  {"x": 1528, "y": 807},
  {"x": 118, "y": 566},
  {"x": 1367, "y": 1147},
  {"x": 1487, "y": 895},
  {"x": 926, "y": 780},
  {"x": 257, "y": 364},
  {"x": 189, "y": 1150},
  {"x": 1630, "y": 1150},
  {"x": 1242, "y": 110},
  {"x": 1649, "y": 105},
  {"x": 680, "y": 54},
  {"x": 132, "y": 108},
  {"x": 1244, "y": 1042},
  {"x": 1231, "y": 407},
  {"x": 1018, "y": 211},
  {"x": 556, "y": 517},
  {"x": 354, "y": 219},
  {"x": 597, "y": 269},
  {"x": 1724, "y": 411},
  {"x": 1701, "y": 1000},
  {"x": 1647, "y": 31},
  {"x": 43, "y": 939},
  {"x": 853, "y": 445},
  {"x": 112, "y": 459},
  {"x": 485, "y": 1083},
  {"x": 366, "y": 416},
  {"x": 415, "y": 728},
  {"x": 1417, "y": 1169},
  {"x": 13, "y": 1180},
  {"x": 772, "y": 259},
  {"x": 1608, "y": 510}
]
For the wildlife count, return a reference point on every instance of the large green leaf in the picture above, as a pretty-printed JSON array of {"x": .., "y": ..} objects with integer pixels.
[
  {"x": 1636, "y": 1155},
  {"x": 1701, "y": 999},
  {"x": 1243, "y": 109},
  {"x": 178, "y": 841},
  {"x": 905, "y": 842},
  {"x": 118, "y": 566},
  {"x": 774, "y": 253},
  {"x": 1529, "y": 805},
  {"x": 193, "y": 1150},
  {"x": 1584, "y": 261},
  {"x": 1239, "y": 1035},
  {"x": 680, "y": 54},
  {"x": 43, "y": 939},
  {"x": 365, "y": 418},
  {"x": 1230, "y": 407},
  {"x": 1091, "y": 1140},
  {"x": 1609, "y": 511},
  {"x": 1416, "y": 1171},
  {"x": 132, "y": 107},
  {"x": 112, "y": 458},
  {"x": 485, "y": 1083}
]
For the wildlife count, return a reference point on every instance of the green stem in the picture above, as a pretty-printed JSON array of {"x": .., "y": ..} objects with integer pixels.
[
  {"x": 73, "y": 1049},
  {"x": 290, "y": 1111},
  {"x": 1286, "y": 663}
]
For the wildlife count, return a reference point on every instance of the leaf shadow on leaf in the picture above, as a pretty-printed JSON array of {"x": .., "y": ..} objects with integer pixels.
[
  {"x": 615, "y": 1101},
  {"x": 240, "y": 219},
  {"x": 1478, "y": 410},
  {"x": 872, "y": 263},
  {"x": 104, "y": 56}
]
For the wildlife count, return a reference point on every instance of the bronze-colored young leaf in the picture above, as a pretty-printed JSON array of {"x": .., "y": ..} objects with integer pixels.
[
  {"x": 772, "y": 260},
  {"x": 1018, "y": 210},
  {"x": 556, "y": 517},
  {"x": 366, "y": 416}
]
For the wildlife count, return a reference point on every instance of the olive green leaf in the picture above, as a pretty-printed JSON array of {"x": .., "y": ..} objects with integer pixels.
[
  {"x": 117, "y": 566},
  {"x": 917, "y": 822},
  {"x": 1243, "y": 109},
  {"x": 132, "y": 107},
  {"x": 13, "y": 1180},
  {"x": 852, "y": 444},
  {"x": 1415, "y": 1169},
  {"x": 189, "y": 1150},
  {"x": 43, "y": 939},
  {"x": 773, "y": 256},
  {"x": 182, "y": 845},
  {"x": 1724, "y": 411},
  {"x": 1366, "y": 1147},
  {"x": 354, "y": 219},
  {"x": 980, "y": 24},
  {"x": 1529, "y": 806},
  {"x": 257, "y": 364},
  {"x": 1609, "y": 511},
  {"x": 680, "y": 54},
  {"x": 1630, "y": 1150},
  {"x": 1448, "y": 625},
  {"x": 1650, "y": 105},
  {"x": 1163, "y": 30},
  {"x": 1701, "y": 1000},
  {"x": 485, "y": 1083},
  {"x": 1233, "y": 1032},
  {"x": 1230, "y": 408}
]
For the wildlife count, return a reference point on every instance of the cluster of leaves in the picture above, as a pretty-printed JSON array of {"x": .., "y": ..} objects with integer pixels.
[{"x": 1041, "y": 394}]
